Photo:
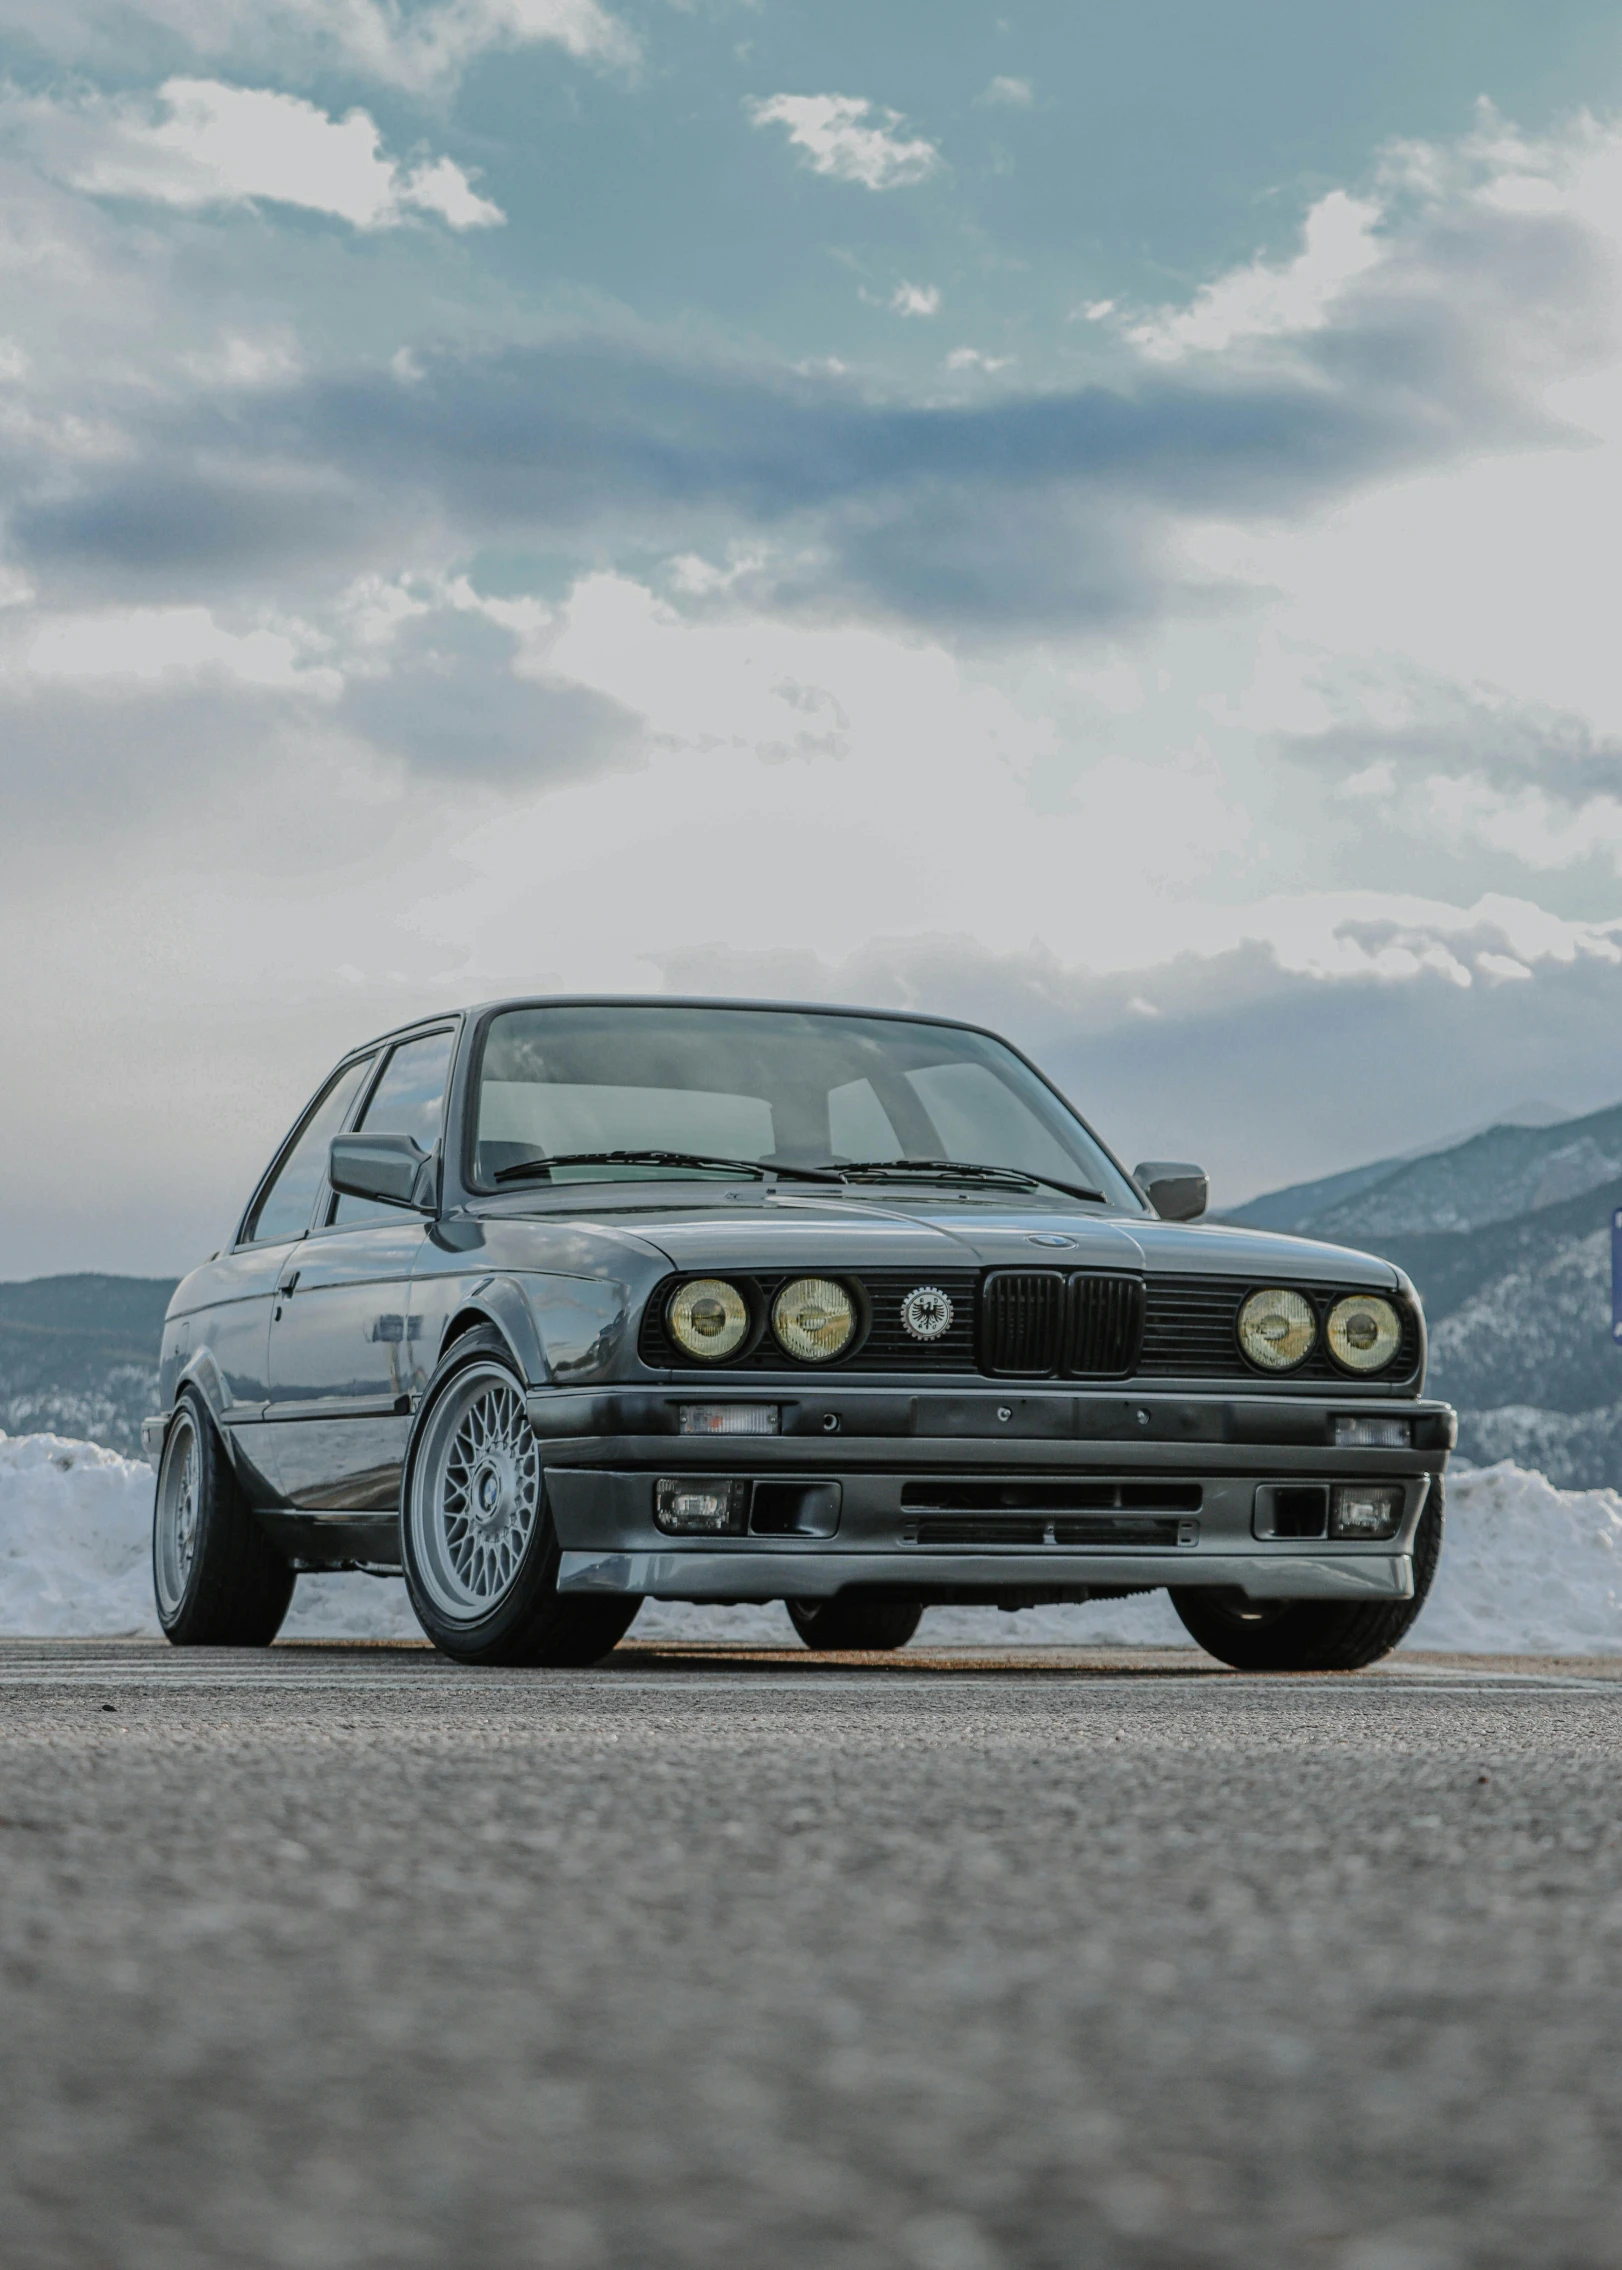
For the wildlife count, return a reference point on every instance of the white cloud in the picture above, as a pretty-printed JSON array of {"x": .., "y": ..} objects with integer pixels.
[
  {"x": 1267, "y": 300},
  {"x": 1377, "y": 780},
  {"x": 971, "y": 358},
  {"x": 240, "y": 360},
  {"x": 1113, "y": 811},
  {"x": 1538, "y": 831},
  {"x": 435, "y": 45},
  {"x": 761, "y": 731},
  {"x": 198, "y": 142},
  {"x": 849, "y": 139},
  {"x": 1016, "y": 94},
  {"x": 121, "y": 648},
  {"x": 916, "y": 299},
  {"x": 421, "y": 49}
]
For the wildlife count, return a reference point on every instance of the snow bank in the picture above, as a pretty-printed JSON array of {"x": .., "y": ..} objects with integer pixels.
[
  {"x": 75, "y": 1539},
  {"x": 76, "y": 1555},
  {"x": 1527, "y": 1569}
]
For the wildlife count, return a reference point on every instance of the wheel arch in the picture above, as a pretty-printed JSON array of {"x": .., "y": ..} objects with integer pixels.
[
  {"x": 500, "y": 1304},
  {"x": 202, "y": 1372}
]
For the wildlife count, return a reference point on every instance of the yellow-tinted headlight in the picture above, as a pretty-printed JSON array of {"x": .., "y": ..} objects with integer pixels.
[
  {"x": 708, "y": 1319},
  {"x": 814, "y": 1319},
  {"x": 1364, "y": 1332},
  {"x": 1277, "y": 1329}
]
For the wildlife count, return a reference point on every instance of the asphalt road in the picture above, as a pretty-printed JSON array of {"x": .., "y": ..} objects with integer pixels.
[{"x": 345, "y": 1956}]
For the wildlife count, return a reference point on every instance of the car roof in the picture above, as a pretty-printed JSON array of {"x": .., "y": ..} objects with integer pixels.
[{"x": 478, "y": 1009}]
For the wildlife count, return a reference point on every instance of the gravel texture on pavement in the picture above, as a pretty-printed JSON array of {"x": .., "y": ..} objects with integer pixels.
[{"x": 330, "y": 1957}]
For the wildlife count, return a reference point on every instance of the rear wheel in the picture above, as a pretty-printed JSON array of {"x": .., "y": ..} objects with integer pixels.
[
  {"x": 1312, "y": 1635},
  {"x": 849, "y": 1623},
  {"x": 481, "y": 1554},
  {"x": 218, "y": 1579}
]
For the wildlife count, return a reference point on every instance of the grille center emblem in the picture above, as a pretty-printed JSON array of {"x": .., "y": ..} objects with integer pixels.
[
  {"x": 1055, "y": 1238},
  {"x": 926, "y": 1313}
]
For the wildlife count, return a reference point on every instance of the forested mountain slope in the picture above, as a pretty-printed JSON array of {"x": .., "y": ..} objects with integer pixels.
[{"x": 79, "y": 1356}]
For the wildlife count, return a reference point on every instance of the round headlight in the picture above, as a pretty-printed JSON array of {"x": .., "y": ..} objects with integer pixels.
[
  {"x": 708, "y": 1319},
  {"x": 1277, "y": 1329},
  {"x": 814, "y": 1319},
  {"x": 1364, "y": 1332}
]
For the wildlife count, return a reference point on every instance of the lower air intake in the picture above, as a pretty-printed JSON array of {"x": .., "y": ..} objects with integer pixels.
[{"x": 1082, "y": 1529}]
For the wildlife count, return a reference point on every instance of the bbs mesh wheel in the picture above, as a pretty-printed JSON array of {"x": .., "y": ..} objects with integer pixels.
[
  {"x": 476, "y": 1536},
  {"x": 218, "y": 1580}
]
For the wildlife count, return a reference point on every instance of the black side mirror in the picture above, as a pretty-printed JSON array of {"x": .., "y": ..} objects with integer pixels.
[
  {"x": 387, "y": 1168},
  {"x": 1177, "y": 1192}
]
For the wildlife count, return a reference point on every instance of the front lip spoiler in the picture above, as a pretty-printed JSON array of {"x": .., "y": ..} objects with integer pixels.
[
  {"x": 564, "y": 1417},
  {"x": 693, "y": 1574}
]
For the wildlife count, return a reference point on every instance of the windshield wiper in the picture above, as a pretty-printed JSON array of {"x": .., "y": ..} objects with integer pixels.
[
  {"x": 964, "y": 1170},
  {"x": 540, "y": 1170}
]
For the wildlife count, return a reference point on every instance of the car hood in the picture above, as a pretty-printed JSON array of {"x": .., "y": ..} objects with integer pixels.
[{"x": 791, "y": 1230}]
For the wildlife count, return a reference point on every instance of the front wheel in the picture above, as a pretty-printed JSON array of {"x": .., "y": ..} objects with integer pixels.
[
  {"x": 850, "y": 1624},
  {"x": 1312, "y": 1635},
  {"x": 218, "y": 1579},
  {"x": 476, "y": 1536}
]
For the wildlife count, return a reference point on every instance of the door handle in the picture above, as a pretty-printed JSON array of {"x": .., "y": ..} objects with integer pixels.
[{"x": 287, "y": 1286}]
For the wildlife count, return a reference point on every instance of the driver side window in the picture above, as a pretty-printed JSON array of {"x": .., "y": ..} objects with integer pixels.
[
  {"x": 408, "y": 1100},
  {"x": 284, "y": 1208}
]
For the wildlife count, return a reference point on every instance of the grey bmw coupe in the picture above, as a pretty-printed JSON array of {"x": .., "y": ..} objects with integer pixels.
[{"x": 561, "y": 1305}]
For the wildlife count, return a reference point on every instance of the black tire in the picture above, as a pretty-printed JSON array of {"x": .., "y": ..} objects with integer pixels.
[
  {"x": 217, "y": 1578},
  {"x": 483, "y": 1576},
  {"x": 851, "y": 1623},
  {"x": 1312, "y": 1635}
]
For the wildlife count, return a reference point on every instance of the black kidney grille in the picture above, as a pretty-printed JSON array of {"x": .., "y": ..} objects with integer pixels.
[
  {"x": 1105, "y": 1327},
  {"x": 1022, "y": 1323},
  {"x": 1191, "y": 1331},
  {"x": 1036, "y": 1322}
]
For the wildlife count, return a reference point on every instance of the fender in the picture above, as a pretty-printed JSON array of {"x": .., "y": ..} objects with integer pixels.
[
  {"x": 559, "y": 1330},
  {"x": 201, "y": 1371},
  {"x": 500, "y": 1301}
]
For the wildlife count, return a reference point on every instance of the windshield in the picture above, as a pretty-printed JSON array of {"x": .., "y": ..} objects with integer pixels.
[{"x": 776, "y": 1087}]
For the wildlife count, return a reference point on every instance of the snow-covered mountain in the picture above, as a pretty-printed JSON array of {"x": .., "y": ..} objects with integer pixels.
[{"x": 1507, "y": 1236}]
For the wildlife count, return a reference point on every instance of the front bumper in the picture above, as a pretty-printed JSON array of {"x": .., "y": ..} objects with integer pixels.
[
  {"x": 1008, "y": 1577},
  {"x": 1189, "y": 1474}
]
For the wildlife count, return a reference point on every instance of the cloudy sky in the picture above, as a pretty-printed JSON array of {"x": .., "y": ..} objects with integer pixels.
[{"x": 1098, "y": 517}]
